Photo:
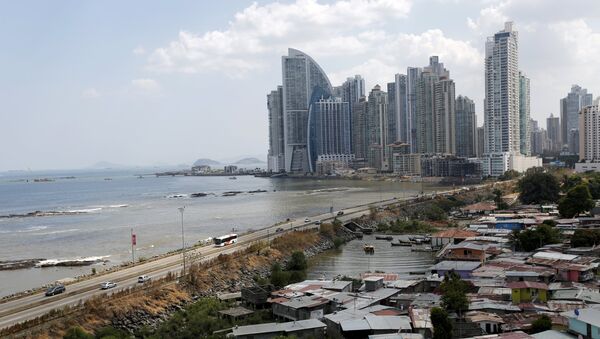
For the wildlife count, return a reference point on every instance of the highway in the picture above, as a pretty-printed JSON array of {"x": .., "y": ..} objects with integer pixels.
[{"x": 14, "y": 311}]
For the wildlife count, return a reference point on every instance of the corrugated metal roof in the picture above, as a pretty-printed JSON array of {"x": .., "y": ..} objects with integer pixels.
[
  {"x": 287, "y": 327},
  {"x": 456, "y": 265}
]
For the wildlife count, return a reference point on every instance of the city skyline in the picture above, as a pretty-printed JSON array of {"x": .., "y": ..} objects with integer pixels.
[{"x": 136, "y": 99}]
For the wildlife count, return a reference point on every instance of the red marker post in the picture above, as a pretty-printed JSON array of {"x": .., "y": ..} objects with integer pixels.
[{"x": 133, "y": 243}]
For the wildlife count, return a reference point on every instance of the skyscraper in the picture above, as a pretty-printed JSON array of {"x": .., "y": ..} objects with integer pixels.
[
  {"x": 570, "y": 106},
  {"x": 589, "y": 134},
  {"x": 275, "y": 157},
  {"x": 435, "y": 111},
  {"x": 501, "y": 103},
  {"x": 524, "y": 115},
  {"x": 399, "y": 109},
  {"x": 302, "y": 77},
  {"x": 466, "y": 127},
  {"x": 352, "y": 90},
  {"x": 554, "y": 133},
  {"x": 360, "y": 144},
  {"x": 328, "y": 129},
  {"x": 480, "y": 141},
  {"x": 413, "y": 74},
  {"x": 377, "y": 129}
]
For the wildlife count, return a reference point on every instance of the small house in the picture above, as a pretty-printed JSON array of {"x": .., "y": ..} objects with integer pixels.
[{"x": 528, "y": 291}]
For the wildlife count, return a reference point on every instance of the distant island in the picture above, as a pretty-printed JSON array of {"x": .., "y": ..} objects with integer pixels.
[{"x": 206, "y": 162}]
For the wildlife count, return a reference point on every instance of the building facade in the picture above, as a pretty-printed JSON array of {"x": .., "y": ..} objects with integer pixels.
[
  {"x": 360, "y": 143},
  {"x": 377, "y": 129},
  {"x": 501, "y": 103},
  {"x": 466, "y": 127},
  {"x": 275, "y": 157},
  {"x": 554, "y": 133},
  {"x": 589, "y": 134},
  {"x": 570, "y": 106},
  {"x": 302, "y": 77},
  {"x": 329, "y": 130},
  {"x": 524, "y": 114}
]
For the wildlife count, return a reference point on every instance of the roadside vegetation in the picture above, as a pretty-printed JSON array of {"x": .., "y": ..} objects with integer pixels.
[{"x": 531, "y": 239}]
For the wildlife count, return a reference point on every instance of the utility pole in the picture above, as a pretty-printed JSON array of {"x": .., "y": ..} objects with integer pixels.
[
  {"x": 133, "y": 243},
  {"x": 181, "y": 209}
]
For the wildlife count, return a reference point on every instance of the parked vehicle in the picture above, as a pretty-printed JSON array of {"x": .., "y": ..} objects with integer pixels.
[
  {"x": 143, "y": 278},
  {"x": 54, "y": 290},
  {"x": 107, "y": 285}
]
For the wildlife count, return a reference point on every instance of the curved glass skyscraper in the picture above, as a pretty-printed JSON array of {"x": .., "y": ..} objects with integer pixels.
[{"x": 301, "y": 77}]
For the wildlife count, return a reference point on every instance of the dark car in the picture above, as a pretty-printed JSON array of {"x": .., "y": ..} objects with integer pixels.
[
  {"x": 340, "y": 213},
  {"x": 56, "y": 289}
]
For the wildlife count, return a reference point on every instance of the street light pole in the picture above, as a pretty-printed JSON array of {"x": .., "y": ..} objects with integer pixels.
[{"x": 181, "y": 209}]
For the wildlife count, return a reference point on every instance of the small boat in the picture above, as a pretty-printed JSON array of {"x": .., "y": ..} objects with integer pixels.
[
  {"x": 401, "y": 243},
  {"x": 369, "y": 249},
  {"x": 422, "y": 249},
  {"x": 384, "y": 237},
  {"x": 358, "y": 235},
  {"x": 232, "y": 178}
]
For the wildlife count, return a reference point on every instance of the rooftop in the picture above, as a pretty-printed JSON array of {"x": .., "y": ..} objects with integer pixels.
[
  {"x": 527, "y": 284},
  {"x": 454, "y": 233},
  {"x": 287, "y": 327},
  {"x": 587, "y": 315},
  {"x": 456, "y": 265}
]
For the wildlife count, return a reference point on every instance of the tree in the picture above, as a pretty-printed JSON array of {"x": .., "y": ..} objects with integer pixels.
[
  {"x": 577, "y": 200},
  {"x": 538, "y": 187},
  {"x": 297, "y": 262},
  {"x": 454, "y": 293},
  {"x": 570, "y": 181},
  {"x": 541, "y": 324},
  {"x": 77, "y": 332},
  {"x": 279, "y": 278},
  {"x": 442, "y": 327},
  {"x": 585, "y": 238},
  {"x": 531, "y": 239},
  {"x": 498, "y": 199}
]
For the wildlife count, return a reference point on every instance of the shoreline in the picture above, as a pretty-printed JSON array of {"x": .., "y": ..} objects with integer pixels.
[{"x": 125, "y": 265}]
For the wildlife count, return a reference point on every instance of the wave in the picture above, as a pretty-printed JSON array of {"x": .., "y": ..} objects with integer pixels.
[
  {"x": 25, "y": 230},
  {"x": 57, "y": 231},
  {"x": 73, "y": 261}
]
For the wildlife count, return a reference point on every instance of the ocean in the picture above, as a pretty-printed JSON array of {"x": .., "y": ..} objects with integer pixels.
[{"x": 82, "y": 214}]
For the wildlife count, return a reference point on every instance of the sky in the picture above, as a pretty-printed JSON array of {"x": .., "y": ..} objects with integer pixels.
[{"x": 146, "y": 82}]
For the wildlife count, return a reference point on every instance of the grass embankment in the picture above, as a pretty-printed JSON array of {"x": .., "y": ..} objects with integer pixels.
[
  {"x": 221, "y": 274},
  {"x": 427, "y": 216}
]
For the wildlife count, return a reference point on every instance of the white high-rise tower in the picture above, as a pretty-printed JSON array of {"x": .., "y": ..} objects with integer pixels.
[{"x": 501, "y": 104}]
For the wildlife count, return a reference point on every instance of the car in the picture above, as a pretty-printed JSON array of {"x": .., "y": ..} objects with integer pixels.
[
  {"x": 318, "y": 222},
  {"x": 279, "y": 230},
  {"x": 54, "y": 290},
  {"x": 107, "y": 285},
  {"x": 306, "y": 220},
  {"x": 340, "y": 213},
  {"x": 143, "y": 278}
]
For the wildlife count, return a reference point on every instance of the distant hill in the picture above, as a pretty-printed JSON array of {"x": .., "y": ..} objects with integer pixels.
[
  {"x": 249, "y": 161},
  {"x": 206, "y": 162}
]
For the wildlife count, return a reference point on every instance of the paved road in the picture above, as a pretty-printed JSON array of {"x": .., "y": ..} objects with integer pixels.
[{"x": 32, "y": 306}]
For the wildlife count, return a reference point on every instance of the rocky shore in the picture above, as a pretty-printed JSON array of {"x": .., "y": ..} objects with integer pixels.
[{"x": 222, "y": 283}]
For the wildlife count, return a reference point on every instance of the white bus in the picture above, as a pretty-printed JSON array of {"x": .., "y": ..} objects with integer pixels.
[{"x": 223, "y": 240}]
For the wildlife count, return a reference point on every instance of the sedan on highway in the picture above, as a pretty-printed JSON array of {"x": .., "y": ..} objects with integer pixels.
[
  {"x": 54, "y": 290},
  {"x": 107, "y": 285},
  {"x": 307, "y": 220}
]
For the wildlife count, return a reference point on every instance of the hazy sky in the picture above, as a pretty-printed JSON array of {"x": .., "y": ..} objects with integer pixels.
[{"x": 145, "y": 82}]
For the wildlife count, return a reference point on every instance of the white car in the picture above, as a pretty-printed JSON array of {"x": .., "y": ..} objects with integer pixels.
[
  {"x": 306, "y": 220},
  {"x": 143, "y": 278},
  {"x": 107, "y": 285}
]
